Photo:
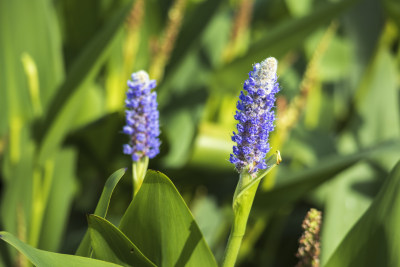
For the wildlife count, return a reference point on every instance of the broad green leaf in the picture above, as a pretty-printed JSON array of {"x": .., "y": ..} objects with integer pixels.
[
  {"x": 160, "y": 224},
  {"x": 212, "y": 220},
  {"x": 101, "y": 208},
  {"x": 279, "y": 41},
  {"x": 297, "y": 185},
  {"x": 111, "y": 245},
  {"x": 379, "y": 89},
  {"x": 375, "y": 238},
  {"x": 44, "y": 258},
  {"x": 346, "y": 202}
]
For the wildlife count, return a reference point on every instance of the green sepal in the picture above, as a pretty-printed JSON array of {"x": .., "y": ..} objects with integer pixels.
[
  {"x": 248, "y": 182},
  {"x": 139, "y": 169}
]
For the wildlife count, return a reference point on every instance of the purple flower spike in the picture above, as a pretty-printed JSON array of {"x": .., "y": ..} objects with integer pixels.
[
  {"x": 256, "y": 117},
  {"x": 141, "y": 117}
]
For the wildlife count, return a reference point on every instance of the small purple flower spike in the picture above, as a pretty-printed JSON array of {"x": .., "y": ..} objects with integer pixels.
[
  {"x": 256, "y": 117},
  {"x": 141, "y": 118}
]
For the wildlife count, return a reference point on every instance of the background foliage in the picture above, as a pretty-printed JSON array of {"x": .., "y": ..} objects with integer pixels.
[{"x": 63, "y": 72}]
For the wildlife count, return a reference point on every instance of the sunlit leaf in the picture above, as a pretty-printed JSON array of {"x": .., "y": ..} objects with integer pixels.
[
  {"x": 297, "y": 185},
  {"x": 44, "y": 258},
  {"x": 160, "y": 224},
  {"x": 375, "y": 238},
  {"x": 110, "y": 244}
]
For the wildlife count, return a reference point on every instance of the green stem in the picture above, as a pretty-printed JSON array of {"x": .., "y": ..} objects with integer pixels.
[
  {"x": 242, "y": 202},
  {"x": 241, "y": 207}
]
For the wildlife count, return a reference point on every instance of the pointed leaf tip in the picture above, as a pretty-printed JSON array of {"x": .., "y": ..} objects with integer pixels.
[{"x": 168, "y": 235}]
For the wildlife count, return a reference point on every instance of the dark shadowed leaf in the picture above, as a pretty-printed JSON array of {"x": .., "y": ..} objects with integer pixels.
[
  {"x": 101, "y": 208},
  {"x": 60, "y": 113}
]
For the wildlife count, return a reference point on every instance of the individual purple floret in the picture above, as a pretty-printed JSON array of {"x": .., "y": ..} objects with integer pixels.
[
  {"x": 256, "y": 117},
  {"x": 141, "y": 117}
]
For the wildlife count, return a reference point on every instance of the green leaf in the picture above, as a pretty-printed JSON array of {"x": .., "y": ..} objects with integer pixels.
[
  {"x": 375, "y": 238},
  {"x": 249, "y": 185},
  {"x": 44, "y": 258},
  {"x": 180, "y": 131},
  {"x": 211, "y": 147},
  {"x": 212, "y": 219},
  {"x": 104, "y": 201},
  {"x": 111, "y": 245},
  {"x": 302, "y": 182},
  {"x": 15, "y": 210},
  {"x": 61, "y": 195},
  {"x": 43, "y": 46},
  {"x": 392, "y": 8},
  {"x": 59, "y": 115},
  {"x": 279, "y": 41},
  {"x": 161, "y": 225},
  {"x": 101, "y": 208},
  {"x": 378, "y": 89},
  {"x": 192, "y": 29}
]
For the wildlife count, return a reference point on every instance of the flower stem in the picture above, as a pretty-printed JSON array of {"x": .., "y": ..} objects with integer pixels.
[
  {"x": 241, "y": 214},
  {"x": 242, "y": 202}
]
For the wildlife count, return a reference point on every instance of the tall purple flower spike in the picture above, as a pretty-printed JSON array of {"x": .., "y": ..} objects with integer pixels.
[
  {"x": 256, "y": 117},
  {"x": 141, "y": 117}
]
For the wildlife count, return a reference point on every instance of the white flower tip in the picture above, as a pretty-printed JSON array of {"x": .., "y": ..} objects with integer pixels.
[
  {"x": 271, "y": 64},
  {"x": 140, "y": 77},
  {"x": 266, "y": 70},
  {"x": 265, "y": 73}
]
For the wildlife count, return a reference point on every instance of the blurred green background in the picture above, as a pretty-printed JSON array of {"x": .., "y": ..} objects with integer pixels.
[{"x": 63, "y": 71}]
